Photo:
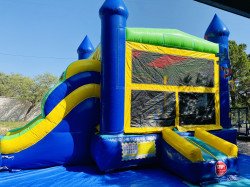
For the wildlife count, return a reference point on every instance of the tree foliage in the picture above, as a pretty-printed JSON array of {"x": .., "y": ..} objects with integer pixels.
[
  {"x": 42, "y": 83},
  {"x": 26, "y": 88},
  {"x": 240, "y": 64}
]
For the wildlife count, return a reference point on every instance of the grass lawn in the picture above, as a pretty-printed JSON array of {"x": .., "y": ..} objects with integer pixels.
[{"x": 6, "y": 126}]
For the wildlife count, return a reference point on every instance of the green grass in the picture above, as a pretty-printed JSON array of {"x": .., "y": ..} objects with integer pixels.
[{"x": 6, "y": 126}]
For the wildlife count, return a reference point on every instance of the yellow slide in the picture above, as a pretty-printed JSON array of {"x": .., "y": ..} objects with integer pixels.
[{"x": 22, "y": 138}]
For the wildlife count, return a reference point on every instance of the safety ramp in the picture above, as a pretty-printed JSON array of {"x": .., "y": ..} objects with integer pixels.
[{"x": 200, "y": 158}]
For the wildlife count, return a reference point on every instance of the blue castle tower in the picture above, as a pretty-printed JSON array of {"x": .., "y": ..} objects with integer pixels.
[
  {"x": 113, "y": 16},
  {"x": 217, "y": 32},
  {"x": 85, "y": 49}
]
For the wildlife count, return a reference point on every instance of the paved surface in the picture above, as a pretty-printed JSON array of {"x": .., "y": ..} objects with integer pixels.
[{"x": 244, "y": 145}]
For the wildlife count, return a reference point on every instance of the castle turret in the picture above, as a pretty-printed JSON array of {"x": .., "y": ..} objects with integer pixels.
[
  {"x": 113, "y": 14},
  {"x": 217, "y": 32},
  {"x": 85, "y": 49}
]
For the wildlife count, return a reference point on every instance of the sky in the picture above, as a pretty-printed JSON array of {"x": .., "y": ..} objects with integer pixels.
[{"x": 43, "y": 36}]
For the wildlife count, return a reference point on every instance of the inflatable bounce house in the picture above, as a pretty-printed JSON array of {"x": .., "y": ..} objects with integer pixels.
[{"x": 143, "y": 97}]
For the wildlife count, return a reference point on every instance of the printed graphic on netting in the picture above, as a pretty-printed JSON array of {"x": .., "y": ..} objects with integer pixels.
[
  {"x": 155, "y": 68},
  {"x": 152, "y": 109},
  {"x": 197, "y": 108}
]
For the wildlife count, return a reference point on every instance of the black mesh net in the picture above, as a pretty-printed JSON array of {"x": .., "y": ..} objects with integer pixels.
[
  {"x": 197, "y": 108},
  {"x": 152, "y": 109},
  {"x": 155, "y": 68},
  {"x": 158, "y": 109}
]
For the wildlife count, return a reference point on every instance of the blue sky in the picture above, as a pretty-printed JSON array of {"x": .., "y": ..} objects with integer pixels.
[{"x": 42, "y": 36}]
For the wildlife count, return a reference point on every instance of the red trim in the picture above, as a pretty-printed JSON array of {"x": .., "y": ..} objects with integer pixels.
[
  {"x": 136, "y": 54},
  {"x": 167, "y": 60}
]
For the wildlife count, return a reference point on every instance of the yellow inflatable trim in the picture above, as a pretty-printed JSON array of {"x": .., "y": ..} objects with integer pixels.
[
  {"x": 224, "y": 146},
  {"x": 146, "y": 148},
  {"x": 30, "y": 136},
  {"x": 186, "y": 128},
  {"x": 130, "y": 86},
  {"x": 82, "y": 66},
  {"x": 181, "y": 145},
  {"x": 203, "y": 149}
]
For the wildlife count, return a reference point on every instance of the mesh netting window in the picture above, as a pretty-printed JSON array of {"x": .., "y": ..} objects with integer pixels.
[
  {"x": 155, "y": 68},
  {"x": 197, "y": 108},
  {"x": 152, "y": 109}
]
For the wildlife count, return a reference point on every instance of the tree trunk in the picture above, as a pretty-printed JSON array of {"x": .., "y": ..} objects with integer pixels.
[{"x": 28, "y": 111}]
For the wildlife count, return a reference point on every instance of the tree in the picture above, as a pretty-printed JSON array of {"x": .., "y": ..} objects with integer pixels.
[
  {"x": 2, "y": 83},
  {"x": 15, "y": 85},
  {"x": 41, "y": 85},
  {"x": 25, "y": 88},
  {"x": 240, "y": 64}
]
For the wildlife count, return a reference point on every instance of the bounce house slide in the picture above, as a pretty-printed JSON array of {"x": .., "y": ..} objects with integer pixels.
[
  {"x": 60, "y": 135},
  {"x": 17, "y": 130},
  {"x": 198, "y": 154}
]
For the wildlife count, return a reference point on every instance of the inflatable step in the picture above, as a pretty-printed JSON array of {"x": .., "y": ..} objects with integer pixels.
[
  {"x": 200, "y": 158},
  {"x": 208, "y": 152}
]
